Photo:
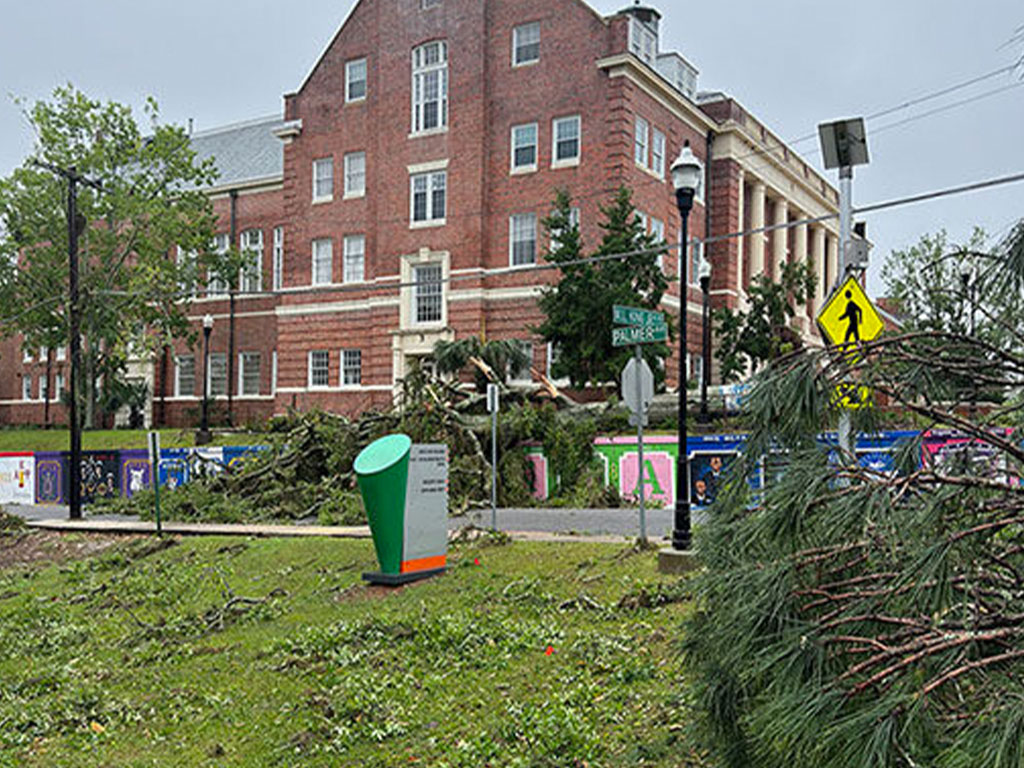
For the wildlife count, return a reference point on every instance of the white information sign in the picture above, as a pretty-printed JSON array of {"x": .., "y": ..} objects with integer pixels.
[{"x": 17, "y": 478}]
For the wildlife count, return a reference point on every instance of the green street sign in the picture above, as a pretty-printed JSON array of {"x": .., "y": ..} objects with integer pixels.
[
  {"x": 636, "y": 316},
  {"x": 647, "y": 334}
]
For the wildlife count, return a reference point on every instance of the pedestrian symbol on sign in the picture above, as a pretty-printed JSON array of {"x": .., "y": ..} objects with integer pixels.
[{"x": 854, "y": 315}]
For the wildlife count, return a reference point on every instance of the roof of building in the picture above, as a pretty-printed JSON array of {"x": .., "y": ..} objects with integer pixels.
[{"x": 244, "y": 152}]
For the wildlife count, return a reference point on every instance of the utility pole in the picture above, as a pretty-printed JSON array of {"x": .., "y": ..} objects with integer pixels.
[{"x": 74, "y": 322}]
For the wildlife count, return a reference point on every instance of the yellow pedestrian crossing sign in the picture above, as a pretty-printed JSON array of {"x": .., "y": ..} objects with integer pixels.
[{"x": 849, "y": 317}]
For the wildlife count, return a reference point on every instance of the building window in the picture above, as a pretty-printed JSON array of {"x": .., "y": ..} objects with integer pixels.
[
  {"x": 249, "y": 373},
  {"x": 521, "y": 374},
  {"x": 428, "y": 197},
  {"x": 658, "y": 235},
  {"x": 26, "y": 387},
  {"x": 642, "y": 218},
  {"x": 215, "y": 284},
  {"x": 186, "y": 262},
  {"x": 565, "y": 136},
  {"x": 524, "y": 147},
  {"x": 218, "y": 374},
  {"x": 62, "y": 354},
  {"x": 428, "y": 293},
  {"x": 319, "y": 369},
  {"x": 351, "y": 367},
  {"x": 273, "y": 372},
  {"x": 430, "y": 87},
  {"x": 278, "y": 258},
  {"x": 427, "y": 4},
  {"x": 526, "y": 44},
  {"x": 640, "y": 142},
  {"x": 26, "y": 355},
  {"x": 354, "y": 258},
  {"x": 643, "y": 41},
  {"x": 556, "y": 233},
  {"x": 355, "y": 80},
  {"x": 522, "y": 239},
  {"x": 323, "y": 261},
  {"x": 355, "y": 174},
  {"x": 185, "y": 376},
  {"x": 252, "y": 273},
  {"x": 58, "y": 385},
  {"x": 658, "y": 153},
  {"x": 323, "y": 179}
]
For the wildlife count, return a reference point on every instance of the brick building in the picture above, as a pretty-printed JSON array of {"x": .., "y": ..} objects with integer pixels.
[{"x": 400, "y": 197}]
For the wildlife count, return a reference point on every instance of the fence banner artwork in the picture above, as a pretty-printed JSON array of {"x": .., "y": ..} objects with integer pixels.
[
  {"x": 100, "y": 473},
  {"x": 136, "y": 472},
  {"x": 17, "y": 478},
  {"x": 51, "y": 478}
]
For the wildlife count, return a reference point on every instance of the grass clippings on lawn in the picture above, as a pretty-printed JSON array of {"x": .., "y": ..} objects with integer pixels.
[{"x": 272, "y": 652}]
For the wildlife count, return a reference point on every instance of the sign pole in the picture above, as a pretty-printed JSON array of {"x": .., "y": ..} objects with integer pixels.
[
  {"x": 845, "y": 226},
  {"x": 154, "y": 463},
  {"x": 492, "y": 406},
  {"x": 640, "y": 449}
]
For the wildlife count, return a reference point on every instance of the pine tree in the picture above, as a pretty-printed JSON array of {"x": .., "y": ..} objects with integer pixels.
[{"x": 852, "y": 618}]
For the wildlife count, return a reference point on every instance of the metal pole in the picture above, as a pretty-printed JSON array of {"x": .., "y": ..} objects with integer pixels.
[
  {"x": 75, "y": 470},
  {"x": 494, "y": 469},
  {"x": 640, "y": 484},
  {"x": 204, "y": 427},
  {"x": 682, "y": 536},
  {"x": 705, "y": 285},
  {"x": 845, "y": 227}
]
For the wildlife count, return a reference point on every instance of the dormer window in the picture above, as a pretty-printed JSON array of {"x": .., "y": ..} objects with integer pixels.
[{"x": 643, "y": 41}]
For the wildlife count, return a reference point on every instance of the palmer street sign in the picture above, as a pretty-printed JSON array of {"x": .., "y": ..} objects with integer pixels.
[{"x": 646, "y": 334}]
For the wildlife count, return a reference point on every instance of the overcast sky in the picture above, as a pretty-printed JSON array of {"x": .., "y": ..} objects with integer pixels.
[{"x": 792, "y": 63}]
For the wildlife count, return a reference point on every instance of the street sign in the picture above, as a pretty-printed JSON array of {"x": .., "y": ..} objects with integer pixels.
[
  {"x": 637, "y": 398},
  {"x": 849, "y": 317},
  {"x": 636, "y": 316},
  {"x": 493, "y": 398},
  {"x": 852, "y": 397},
  {"x": 647, "y": 334}
]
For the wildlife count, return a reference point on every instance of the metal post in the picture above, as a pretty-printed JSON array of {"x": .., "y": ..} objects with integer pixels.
[
  {"x": 75, "y": 468},
  {"x": 845, "y": 227},
  {"x": 640, "y": 484},
  {"x": 705, "y": 286},
  {"x": 494, "y": 469},
  {"x": 204, "y": 427},
  {"x": 682, "y": 536}
]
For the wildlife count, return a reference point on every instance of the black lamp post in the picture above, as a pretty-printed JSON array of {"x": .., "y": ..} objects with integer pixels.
[
  {"x": 203, "y": 438},
  {"x": 705, "y": 287},
  {"x": 687, "y": 171}
]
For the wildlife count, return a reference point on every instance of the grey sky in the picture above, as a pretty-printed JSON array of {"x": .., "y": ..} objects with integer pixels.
[{"x": 793, "y": 63}]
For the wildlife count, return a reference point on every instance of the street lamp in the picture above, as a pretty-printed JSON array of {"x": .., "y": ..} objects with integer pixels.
[
  {"x": 705, "y": 287},
  {"x": 203, "y": 438},
  {"x": 687, "y": 172}
]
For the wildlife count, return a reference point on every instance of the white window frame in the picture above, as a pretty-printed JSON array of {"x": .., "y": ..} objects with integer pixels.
[
  {"x": 187, "y": 288},
  {"x": 347, "y": 367},
  {"x": 273, "y": 372},
  {"x": 424, "y": 289},
  {"x": 243, "y": 369},
  {"x": 26, "y": 355},
  {"x": 278, "y": 259},
  {"x": 321, "y": 250},
  {"x": 566, "y": 162},
  {"x": 353, "y": 268},
  {"x": 517, "y": 43},
  {"x": 44, "y": 386},
  {"x": 327, "y": 372},
  {"x": 526, "y": 376},
  {"x": 516, "y": 143},
  {"x": 216, "y": 358},
  {"x": 432, "y": 219},
  {"x": 26, "y": 387},
  {"x": 658, "y": 145},
  {"x": 245, "y": 281},
  {"x": 643, "y": 42},
  {"x": 422, "y": 73},
  {"x": 178, "y": 391},
  {"x": 641, "y": 142},
  {"x": 320, "y": 195},
  {"x": 513, "y": 220},
  {"x": 351, "y": 191},
  {"x": 62, "y": 354},
  {"x": 215, "y": 286},
  {"x": 426, "y": 5},
  {"x": 349, "y": 81},
  {"x": 58, "y": 385}
]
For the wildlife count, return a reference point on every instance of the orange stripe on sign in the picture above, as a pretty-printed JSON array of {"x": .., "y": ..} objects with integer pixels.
[{"x": 424, "y": 564}]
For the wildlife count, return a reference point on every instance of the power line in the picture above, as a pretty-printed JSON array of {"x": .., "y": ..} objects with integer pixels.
[{"x": 947, "y": 107}]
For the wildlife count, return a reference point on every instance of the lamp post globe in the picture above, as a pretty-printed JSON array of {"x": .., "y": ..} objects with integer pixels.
[
  {"x": 203, "y": 436},
  {"x": 687, "y": 172}
]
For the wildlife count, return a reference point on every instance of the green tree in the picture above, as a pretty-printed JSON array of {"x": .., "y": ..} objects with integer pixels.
[
  {"x": 502, "y": 356},
  {"x": 150, "y": 202},
  {"x": 578, "y": 309},
  {"x": 746, "y": 340},
  {"x": 871, "y": 621}
]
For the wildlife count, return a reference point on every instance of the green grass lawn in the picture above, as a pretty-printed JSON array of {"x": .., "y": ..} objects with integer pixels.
[
  {"x": 110, "y": 439},
  {"x": 522, "y": 655}
]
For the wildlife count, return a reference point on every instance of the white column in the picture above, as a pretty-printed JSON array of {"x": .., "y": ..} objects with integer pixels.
[
  {"x": 818, "y": 258},
  {"x": 780, "y": 238},
  {"x": 757, "y": 241},
  {"x": 741, "y": 240},
  {"x": 833, "y": 260},
  {"x": 800, "y": 257}
]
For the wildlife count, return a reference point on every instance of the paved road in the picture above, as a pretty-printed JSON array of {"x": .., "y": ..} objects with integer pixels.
[{"x": 613, "y": 522}]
